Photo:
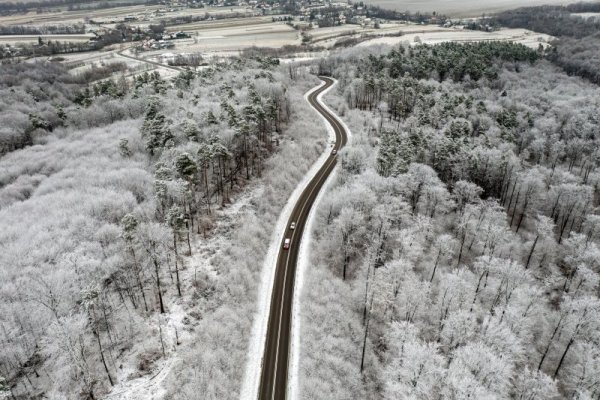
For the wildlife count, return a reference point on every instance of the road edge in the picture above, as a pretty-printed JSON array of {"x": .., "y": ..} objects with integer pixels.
[
  {"x": 254, "y": 363},
  {"x": 304, "y": 257}
]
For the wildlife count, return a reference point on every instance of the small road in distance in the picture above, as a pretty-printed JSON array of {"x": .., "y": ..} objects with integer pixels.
[
  {"x": 143, "y": 60},
  {"x": 274, "y": 374}
]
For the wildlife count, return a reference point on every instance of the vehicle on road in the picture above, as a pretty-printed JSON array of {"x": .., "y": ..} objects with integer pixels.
[{"x": 274, "y": 374}]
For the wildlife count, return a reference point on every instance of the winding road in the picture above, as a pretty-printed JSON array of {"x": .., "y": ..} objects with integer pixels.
[{"x": 273, "y": 381}]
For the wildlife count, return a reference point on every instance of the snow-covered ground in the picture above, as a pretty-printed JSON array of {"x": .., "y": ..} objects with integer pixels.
[{"x": 151, "y": 386}]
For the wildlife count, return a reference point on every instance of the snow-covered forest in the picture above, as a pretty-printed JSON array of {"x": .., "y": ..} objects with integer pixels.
[
  {"x": 454, "y": 252},
  {"x": 118, "y": 245},
  {"x": 457, "y": 254},
  {"x": 578, "y": 41}
]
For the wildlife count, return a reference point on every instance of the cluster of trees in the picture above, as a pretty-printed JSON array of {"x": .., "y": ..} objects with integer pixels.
[
  {"x": 79, "y": 5},
  {"x": 119, "y": 34},
  {"x": 193, "y": 60},
  {"x": 52, "y": 47},
  {"x": 34, "y": 97},
  {"x": 109, "y": 208},
  {"x": 373, "y": 11},
  {"x": 455, "y": 61},
  {"x": 41, "y": 30},
  {"x": 579, "y": 57},
  {"x": 553, "y": 20},
  {"x": 37, "y": 98},
  {"x": 457, "y": 255},
  {"x": 579, "y": 37}
]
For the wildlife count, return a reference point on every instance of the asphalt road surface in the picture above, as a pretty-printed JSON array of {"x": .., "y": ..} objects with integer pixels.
[{"x": 273, "y": 381}]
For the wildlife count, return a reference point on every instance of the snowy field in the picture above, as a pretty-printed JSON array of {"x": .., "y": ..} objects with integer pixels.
[
  {"x": 229, "y": 38},
  {"x": 151, "y": 14}
]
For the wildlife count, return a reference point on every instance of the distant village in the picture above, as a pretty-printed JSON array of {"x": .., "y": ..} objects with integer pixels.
[
  {"x": 149, "y": 28},
  {"x": 319, "y": 12}
]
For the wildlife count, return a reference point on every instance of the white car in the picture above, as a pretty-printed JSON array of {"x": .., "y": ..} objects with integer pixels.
[
  {"x": 292, "y": 226},
  {"x": 333, "y": 152},
  {"x": 286, "y": 244}
]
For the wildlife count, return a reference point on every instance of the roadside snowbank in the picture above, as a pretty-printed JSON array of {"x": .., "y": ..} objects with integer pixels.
[
  {"x": 304, "y": 257},
  {"x": 253, "y": 371}
]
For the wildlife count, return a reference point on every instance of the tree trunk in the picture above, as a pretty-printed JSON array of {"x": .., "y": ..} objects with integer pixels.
[
  {"x": 97, "y": 334},
  {"x": 531, "y": 251},
  {"x": 138, "y": 278},
  {"x": 550, "y": 343},
  {"x": 162, "y": 342},
  {"x": 177, "y": 278},
  {"x": 562, "y": 358},
  {"x": 521, "y": 217},
  {"x": 435, "y": 266},
  {"x": 188, "y": 242},
  {"x": 157, "y": 273},
  {"x": 176, "y": 263},
  {"x": 362, "y": 358},
  {"x": 514, "y": 208},
  {"x": 462, "y": 244},
  {"x": 511, "y": 196},
  {"x": 477, "y": 291}
]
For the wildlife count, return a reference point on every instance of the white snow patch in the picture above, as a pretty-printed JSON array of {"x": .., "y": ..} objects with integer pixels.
[
  {"x": 303, "y": 259},
  {"x": 146, "y": 387},
  {"x": 254, "y": 364}
]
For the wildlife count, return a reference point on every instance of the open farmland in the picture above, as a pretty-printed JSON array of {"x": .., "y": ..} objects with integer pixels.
[
  {"x": 71, "y": 17},
  {"x": 229, "y": 37},
  {"x": 145, "y": 14},
  {"x": 229, "y": 23},
  {"x": 234, "y": 37}
]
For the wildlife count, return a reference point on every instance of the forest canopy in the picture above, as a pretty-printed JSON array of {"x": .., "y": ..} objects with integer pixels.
[
  {"x": 576, "y": 50},
  {"x": 462, "y": 237}
]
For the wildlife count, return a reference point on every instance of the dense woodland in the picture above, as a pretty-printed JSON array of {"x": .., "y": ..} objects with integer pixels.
[
  {"x": 554, "y": 20},
  {"x": 35, "y": 99},
  {"x": 576, "y": 51},
  {"x": 457, "y": 253},
  {"x": 103, "y": 203}
]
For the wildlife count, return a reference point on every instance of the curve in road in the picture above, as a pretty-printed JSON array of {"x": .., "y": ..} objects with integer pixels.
[{"x": 273, "y": 382}]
